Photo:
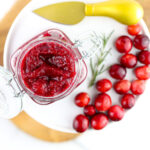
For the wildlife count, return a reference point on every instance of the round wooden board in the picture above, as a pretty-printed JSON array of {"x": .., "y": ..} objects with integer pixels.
[
  {"x": 32, "y": 127},
  {"x": 23, "y": 121}
]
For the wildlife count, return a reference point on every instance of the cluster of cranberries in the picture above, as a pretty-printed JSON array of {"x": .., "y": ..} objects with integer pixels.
[{"x": 98, "y": 114}]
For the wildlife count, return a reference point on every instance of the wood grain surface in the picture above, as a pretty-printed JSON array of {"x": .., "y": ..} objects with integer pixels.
[{"x": 23, "y": 121}]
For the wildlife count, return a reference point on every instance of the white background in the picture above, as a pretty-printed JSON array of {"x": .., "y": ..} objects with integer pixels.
[{"x": 133, "y": 132}]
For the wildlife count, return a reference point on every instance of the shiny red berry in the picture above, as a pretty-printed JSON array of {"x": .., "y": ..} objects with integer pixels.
[
  {"x": 144, "y": 57},
  {"x": 117, "y": 71},
  {"x": 89, "y": 110},
  {"x": 103, "y": 85},
  {"x": 141, "y": 42},
  {"x": 138, "y": 87},
  {"x": 122, "y": 86},
  {"x": 128, "y": 60},
  {"x": 82, "y": 99},
  {"x": 81, "y": 123},
  {"x": 124, "y": 44},
  {"x": 103, "y": 102},
  {"x": 134, "y": 29},
  {"x": 128, "y": 101},
  {"x": 143, "y": 72},
  {"x": 116, "y": 113},
  {"x": 99, "y": 121}
]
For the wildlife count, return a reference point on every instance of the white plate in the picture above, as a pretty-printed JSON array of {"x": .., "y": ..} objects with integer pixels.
[{"x": 60, "y": 115}]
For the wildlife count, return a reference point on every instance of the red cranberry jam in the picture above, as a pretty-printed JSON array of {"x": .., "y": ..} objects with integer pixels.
[{"x": 48, "y": 69}]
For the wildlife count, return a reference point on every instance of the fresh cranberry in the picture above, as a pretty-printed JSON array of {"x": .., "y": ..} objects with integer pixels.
[
  {"x": 128, "y": 101},
  {"x": 128, "y": 60},
  {"x": 81, "y": 123},
  {"x": 116, "y": 113},
  {"x": 122, "y": 86},
  {"x": 89, "y": 110},
  {"x": 124, "y": 44},
  {"x": 82, "y": 99},
  {"x": 103, "y": 102},
  {"x": 141, "y": 42},
  {"x": 103, "y": 85},
  {"x": 99, "y": 121},
  {"x": 138, "y": 87},
  {"x": 134, "y": 29},
  {"x": 144, "y": 57},
  {"x": 117, "y": 71},
  {"x": 143, "y": 72}
]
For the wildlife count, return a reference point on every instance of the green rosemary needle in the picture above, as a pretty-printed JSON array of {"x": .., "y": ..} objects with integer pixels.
[{"x": 98, "y": 67}]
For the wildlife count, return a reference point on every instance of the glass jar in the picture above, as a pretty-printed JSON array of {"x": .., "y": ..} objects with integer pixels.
[
  {"x": 14, "y": 85},
  {"x": 39, "y": 44}
]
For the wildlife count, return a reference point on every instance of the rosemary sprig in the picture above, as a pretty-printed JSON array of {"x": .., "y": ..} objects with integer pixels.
[{"x": 98, "y": 68}]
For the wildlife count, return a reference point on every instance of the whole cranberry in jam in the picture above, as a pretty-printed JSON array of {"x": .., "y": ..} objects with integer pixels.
[
  {"x": 81, "y": 123},
  {"x": 117, "y": 71},
  {"x": 128, "y": 101},
  {"x": 128, "y": 60},
  {"x": 103, "y": 102},
  {"x": 99, "y": 121},
  {"x": 141, "y": 42},
  {"x": 116, "y": 113},
  {"x": 103, "y": 85},
  {"x": 144, "y": 57},
  {"x": 138, "y": 87},
  {"x": 123, "y": 44},
  {"x": 122, "y": 86},
  {"x": 134, "y": 29},
  {"x": 82, "y": 99},
  {"x": 89, "y": 110},
  {"x": 143, "y": 72}
]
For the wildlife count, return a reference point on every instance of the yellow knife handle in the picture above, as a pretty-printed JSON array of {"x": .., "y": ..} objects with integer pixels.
[{"x": 125, "y": 11}]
